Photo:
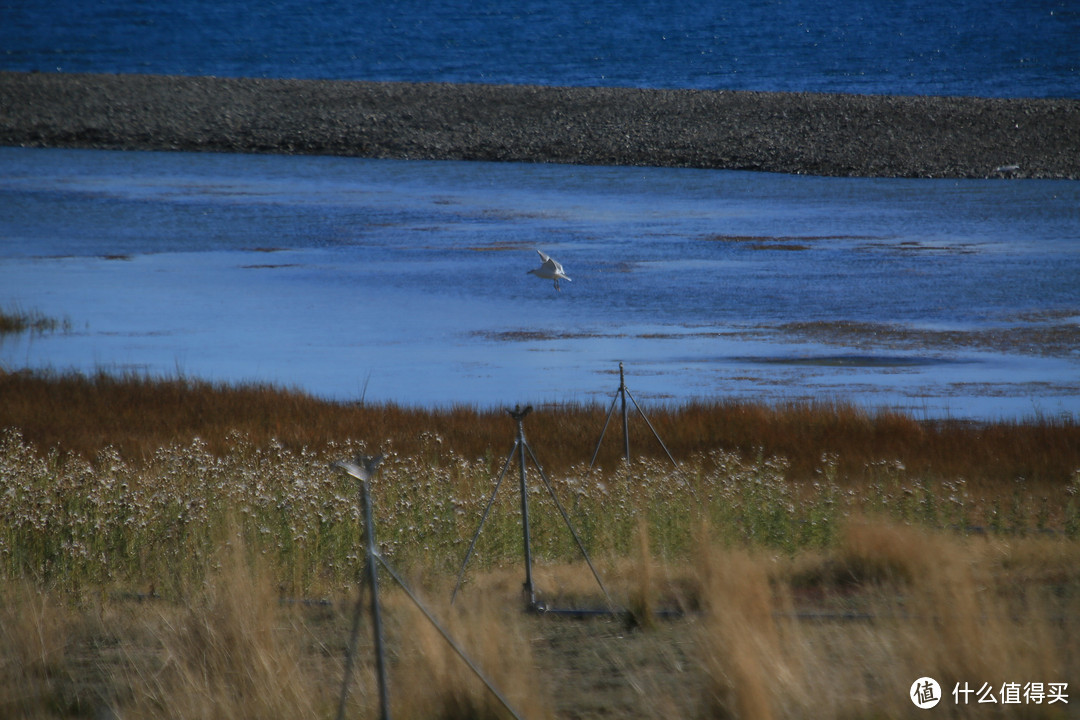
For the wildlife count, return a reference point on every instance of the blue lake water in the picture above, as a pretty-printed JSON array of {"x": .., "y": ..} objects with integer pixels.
[
  {"x": 407, "y": 281},
  {"x": 1006, "y": 48}
]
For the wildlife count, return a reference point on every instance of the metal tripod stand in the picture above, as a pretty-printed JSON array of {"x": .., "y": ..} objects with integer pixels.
[
  {"x": 521, "y": 447},
  {"x": 623, "y": 392},
  {"x": 363, "y": 468}
]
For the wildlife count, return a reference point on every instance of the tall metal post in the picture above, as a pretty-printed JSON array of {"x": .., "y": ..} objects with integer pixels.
[
  {"x": 522, "y": 446},
  {"x": 376, "y": 613},
  {"x": 362, "y": 468},
  {"x": 530, "y": 596},
  {"x": 623, "y": 392},
  {"x": 625, "y": 418}
]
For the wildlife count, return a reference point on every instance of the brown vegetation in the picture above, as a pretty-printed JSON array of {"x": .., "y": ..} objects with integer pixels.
[
  {"x": 761, "y": 645},
  {"x": 137, "y": 415},
  {"x": 173, "y": 548}
]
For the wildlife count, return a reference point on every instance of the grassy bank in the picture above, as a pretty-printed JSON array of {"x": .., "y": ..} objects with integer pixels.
[
  {"x": 157, "y": 535},
  {"x": 132, "y": 479},
  {"x": 135, "y": 416}
]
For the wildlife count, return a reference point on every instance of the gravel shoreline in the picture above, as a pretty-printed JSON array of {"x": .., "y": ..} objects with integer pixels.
[{"x": 819, "y": 134}]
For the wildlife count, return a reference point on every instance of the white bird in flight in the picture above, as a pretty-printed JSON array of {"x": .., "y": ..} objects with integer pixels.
[{"x": 550, "y": 270}]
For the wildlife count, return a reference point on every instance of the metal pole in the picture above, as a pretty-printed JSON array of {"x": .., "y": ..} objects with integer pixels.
[
  {"x": 528, "y": 590},
  {"x": 625, "y": 419},
  {"x": 376, "y": 615},
  {"x": 350, "y": 653},
  {"x": 668, "y": 452},
  {"x": 362, "y": 468},
  {"x": 607, "y": 420},
  {"x": 446, "y": 636},
  {"x": 570, "y": 526},
  {"x": 653, "y": 430}
]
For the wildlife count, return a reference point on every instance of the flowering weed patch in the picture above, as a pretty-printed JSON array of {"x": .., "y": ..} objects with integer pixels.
[{"x": 157, "y": 523}]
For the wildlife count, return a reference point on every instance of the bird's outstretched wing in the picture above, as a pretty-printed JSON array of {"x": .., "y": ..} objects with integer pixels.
[
  {"x": 361, "y": 467},
  {"x": 551, "y": 263}
]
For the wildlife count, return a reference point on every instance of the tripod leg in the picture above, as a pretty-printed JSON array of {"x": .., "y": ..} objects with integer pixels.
[
  {"x": 483, "y": 519},
  {"x": 570, "y": 526},
  {"x": 528, "y": 588},
  {"x": 610, "y": 412},
  {"x": 666, "y": 451},
  {"x": 625, "y": 420},
  {"x": 350, "y": 654},
  {"x": 446, "y": 636}
]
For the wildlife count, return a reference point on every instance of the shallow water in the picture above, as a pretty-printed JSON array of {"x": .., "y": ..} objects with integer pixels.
[{"x": 406, "y": 281}]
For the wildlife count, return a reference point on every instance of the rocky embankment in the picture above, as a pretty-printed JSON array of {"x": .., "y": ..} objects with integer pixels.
[{"x": 842, "y": 135}]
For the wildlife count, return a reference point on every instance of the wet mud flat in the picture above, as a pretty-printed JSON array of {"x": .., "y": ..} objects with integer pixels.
[
  {"x": 1055, "y": 335},
  {"x": 820, "y": 134}
]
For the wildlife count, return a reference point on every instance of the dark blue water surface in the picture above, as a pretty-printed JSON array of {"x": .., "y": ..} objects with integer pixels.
[{"x": 1016, "y": 48}]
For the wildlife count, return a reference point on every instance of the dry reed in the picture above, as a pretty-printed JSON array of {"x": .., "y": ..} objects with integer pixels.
[
  {"x": 433, "y": 681},
  {"x": 936, "y": 609},
  {"x": 154, "y": 531},
  {"x": 229, "y": 653},
  {"x": 16, "y": 320},
  {"x": 942, "y": 606},
  {"x": 33, "y": 638},
  {"x": 136, "y": 415}
]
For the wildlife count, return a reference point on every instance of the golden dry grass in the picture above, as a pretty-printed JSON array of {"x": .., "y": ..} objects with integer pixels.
[
  {"x": 227, "y": 652},
  {"x": 758, "y": 646},
  {"x": 34, "y": 632},
  {"x": 154, "y": 537},
  {"x": 950, "y": 613},
  {"x": 433, "y": 681}
]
